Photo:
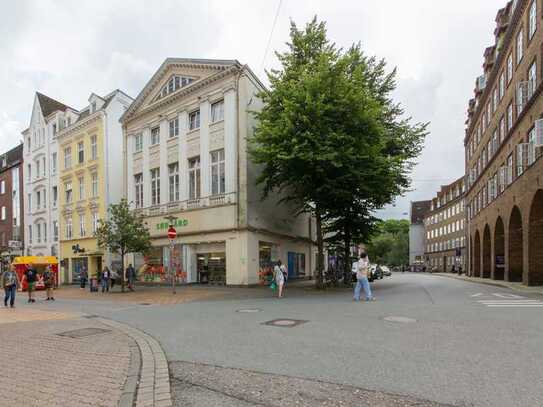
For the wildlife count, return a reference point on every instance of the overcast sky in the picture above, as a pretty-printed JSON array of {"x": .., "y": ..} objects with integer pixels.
[{"x": 68, "y": 49}]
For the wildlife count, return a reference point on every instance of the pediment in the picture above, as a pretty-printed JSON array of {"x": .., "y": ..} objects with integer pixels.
[{"x": 174, "y": 76}]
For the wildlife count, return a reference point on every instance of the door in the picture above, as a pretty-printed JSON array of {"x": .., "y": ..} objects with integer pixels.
[{"x": 291, "y": 266}]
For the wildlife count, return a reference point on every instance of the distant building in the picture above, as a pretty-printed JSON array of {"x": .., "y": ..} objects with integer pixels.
[
  {"x": 445, "y": 229},
  {"x": 11, "y": 203},
  {"x": 416, "y": 231}
]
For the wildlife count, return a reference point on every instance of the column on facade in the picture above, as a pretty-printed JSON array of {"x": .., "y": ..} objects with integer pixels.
[
  {"x": 129, "y": 163},
  {"x": 164, "y": 136},
  {"x": 146, "y": 175},
  {"x": 205, "y": 170},
  {"x": 230, "y": 140},
  {"x": 182, "y": 154}
]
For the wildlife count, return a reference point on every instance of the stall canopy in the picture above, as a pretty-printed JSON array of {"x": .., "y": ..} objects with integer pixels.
[{"x": 35, "y": 260}]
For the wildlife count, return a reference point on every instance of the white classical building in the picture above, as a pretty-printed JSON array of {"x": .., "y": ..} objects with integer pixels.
[
  {"x": 41, "y": 174},
  {"x": 186, "y": 156}
]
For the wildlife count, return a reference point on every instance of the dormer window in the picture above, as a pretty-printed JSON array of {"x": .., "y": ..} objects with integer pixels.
[{"x": 176, "y": 82}]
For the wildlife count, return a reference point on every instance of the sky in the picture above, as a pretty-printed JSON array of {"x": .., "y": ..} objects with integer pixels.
[{"x": 68, "y": 49}]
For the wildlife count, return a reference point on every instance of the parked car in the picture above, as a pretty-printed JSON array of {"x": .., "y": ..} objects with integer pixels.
[{"x": 386, "y": 271}]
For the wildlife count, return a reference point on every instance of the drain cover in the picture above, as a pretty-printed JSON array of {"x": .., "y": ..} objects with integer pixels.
[
  {"x": 285, "y": 323},
  {"x": 83, "y": 332},
  {"x": 248, "y": 310},
  {"x": 401, "y": 320}
]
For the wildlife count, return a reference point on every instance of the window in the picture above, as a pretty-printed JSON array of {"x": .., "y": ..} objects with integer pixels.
[
  {"x": 510, "y": 116},
  {"x": 54, "y": 163},
  {"x": 43, "y": 166},
  {"x": 29, "y": 200},
  {"x": 532, "y": 79},
  {"x": 93, "y": 107},
  {"x": 495, "y": 101},
  {"x": 138, "y": 184},
  {"x": 155, "y": 136},
  {"x": 81, "y": 181},
  {"x": 138, "y": 143},
  {"x": 44, "y": 232},
  {"x": 155, "y": 186},
  {"x": 54, "y": 129},
  {"x": 37, "y": 169},
  {"x": 94, "y": 148},
  {"x": 509, "y": 68},
  {"x": 194, "y": 178},
  {"x": 30, "y": 234},
  {"x": 520, "y": 45},
  {"x": 55, "y": 230},
  {"x": 80, "y": 152},
  {"x": 28, "y": 144},
  {"x": 44, "y": 199},
  {"x": 174, "y": 127},
  {"x": 82, "y": 225},
  {"x": 38, "y": 233},
  {"x": 217, "y": 111},
  {"x": 502, "y": 130},
  {"x": 68, "y": 191},
  {"x": 194, "y": 120},
  {"x": 217, "y": 172},
  {"x": 94, "y": 185},
  {"x": 532, "y": 23},
  {"x": 55, "y": 196},
  {"x": 94, "y": 222},
  {"x": 502, "y": 86},
  {"x": 3, "y": 187},
  {"x": 173, "y": 176},
  {"x": 520, "y": 159},
  {"x": 68, "y": 228},
  {"x": 531, "y": 146},
  {"x": 67, "y": 157},
  {"x": 3, "y": 213},
  {"x": 38, "y": 200}
]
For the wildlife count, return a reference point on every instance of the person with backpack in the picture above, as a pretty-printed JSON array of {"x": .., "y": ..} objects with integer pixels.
[
  {"x": 30, "y": 275},
  {"x": 362, "y": 282},
  {"x": 49, "y": 282},
  {"x": 10, "y": 282}
]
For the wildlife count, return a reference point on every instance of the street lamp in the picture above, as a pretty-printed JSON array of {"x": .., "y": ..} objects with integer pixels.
[{"x": 171, "y": 235}]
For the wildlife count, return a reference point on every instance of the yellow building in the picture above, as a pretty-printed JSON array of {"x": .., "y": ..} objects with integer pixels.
[{"x": 90, "y": 151}]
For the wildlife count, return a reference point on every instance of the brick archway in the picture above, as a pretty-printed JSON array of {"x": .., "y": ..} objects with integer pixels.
[
  {"x": 499, "y": 250},
  {"x": 515, "y": 245},
  {"x": 487, "y": 253},
  {"x": 477, "y": 255},
  {"x": 535, "y": 271}
]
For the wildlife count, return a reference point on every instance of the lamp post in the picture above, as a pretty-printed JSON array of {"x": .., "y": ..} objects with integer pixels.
[{"x": 172, "y": 234}]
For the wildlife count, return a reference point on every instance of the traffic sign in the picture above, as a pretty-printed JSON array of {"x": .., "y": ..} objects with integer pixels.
[{"x": 172, "y": 233}]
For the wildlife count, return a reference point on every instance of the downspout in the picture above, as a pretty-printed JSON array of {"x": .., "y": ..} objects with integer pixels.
[
  {"x": 106, "y": 176},
  {"x": 237, "y": 147}
]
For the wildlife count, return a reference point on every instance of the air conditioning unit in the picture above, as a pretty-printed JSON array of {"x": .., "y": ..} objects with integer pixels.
[{"x": 481, "y": 82}]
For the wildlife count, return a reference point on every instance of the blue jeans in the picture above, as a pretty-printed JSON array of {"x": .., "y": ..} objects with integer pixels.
[
  {"x": 10, "y": 294},
  {"x": 105, "y": 284},
  {"x": 365, "y": 284}
]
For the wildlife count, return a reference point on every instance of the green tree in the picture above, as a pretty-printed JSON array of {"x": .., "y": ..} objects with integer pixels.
[
  {"x": 329, "y": 137},
  {"x": 122, "y": 233},
  {"x": 390, "y": 243}
]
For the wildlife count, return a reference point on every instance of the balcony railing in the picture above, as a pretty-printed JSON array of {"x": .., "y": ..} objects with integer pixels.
[{"x": 189, "y": 204}]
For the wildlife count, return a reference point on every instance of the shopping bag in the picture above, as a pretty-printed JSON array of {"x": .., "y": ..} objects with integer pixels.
[{"x": 273, "y": 286}]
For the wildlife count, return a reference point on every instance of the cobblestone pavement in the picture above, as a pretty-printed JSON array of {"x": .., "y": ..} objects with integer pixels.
[
  {"x": 42, "y": 368},
  {"x": 199, "y": 385}
]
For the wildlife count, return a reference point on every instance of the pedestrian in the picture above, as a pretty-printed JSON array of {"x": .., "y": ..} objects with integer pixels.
[
  {"x": 49, "y": 282},
  {"x": 131, "y": 276},
  {"x": 106, "y": 274},
  {"x": 114, "y": 276},
  {"x": 10, "y": 282},
  {"x": 279, "y": 277},
  {"x": 362, "y": 278},
  {"x": 30, "y": 275},
  {"x": 83, "y": 276}
]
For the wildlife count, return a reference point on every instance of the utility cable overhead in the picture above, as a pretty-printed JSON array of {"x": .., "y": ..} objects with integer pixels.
[{"x": 271, "y": 35}]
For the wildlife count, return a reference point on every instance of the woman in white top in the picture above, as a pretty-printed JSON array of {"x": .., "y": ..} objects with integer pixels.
[{"x": 279, "y": 276}]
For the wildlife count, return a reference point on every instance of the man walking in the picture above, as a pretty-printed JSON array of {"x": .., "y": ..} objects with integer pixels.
[
  {"x": 10, "y": 281},
  {"x": 30, "y": 276},
  {"x": 83, "y": 277},
  {"x": 362, "y": 278},
  {"x": 131, "y": 276}
]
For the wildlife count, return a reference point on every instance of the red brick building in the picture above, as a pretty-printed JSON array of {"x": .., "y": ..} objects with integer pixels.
[{"x": 11, "y": 203}]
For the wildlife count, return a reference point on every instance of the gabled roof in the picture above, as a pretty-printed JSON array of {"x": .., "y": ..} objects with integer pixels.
[
  {"x": 219, "y": 64},
  {"x": 418, "y": 210},
  {"x": 49, "y": 105}
]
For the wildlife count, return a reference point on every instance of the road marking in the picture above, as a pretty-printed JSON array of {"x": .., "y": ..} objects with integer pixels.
[
  {"x": 477, "y": 295},
  {"x": 506, "y": 295},
  {"x": 513, "y": 303}
]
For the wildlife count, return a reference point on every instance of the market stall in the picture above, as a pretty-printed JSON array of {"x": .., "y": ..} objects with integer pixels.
[{"x": 39, "y": 263}]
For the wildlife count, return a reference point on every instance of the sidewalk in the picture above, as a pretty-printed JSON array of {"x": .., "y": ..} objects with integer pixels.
[
  {"x": 497, "y": 283},
  {"x": 65, "y": 359}
]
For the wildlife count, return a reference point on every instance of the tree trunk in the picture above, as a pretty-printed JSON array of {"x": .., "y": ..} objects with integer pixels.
[
  {"x": 347, "y": 256},
  {"x": 122, "y": 272},
  {"x": 320, "y": 249}
]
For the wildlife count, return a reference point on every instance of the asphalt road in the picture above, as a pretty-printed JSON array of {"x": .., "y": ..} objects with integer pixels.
[{"x": 449, "y": 341}]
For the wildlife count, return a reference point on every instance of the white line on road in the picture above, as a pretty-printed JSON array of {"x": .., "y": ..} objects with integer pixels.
[{"x": 514, "y": 305}]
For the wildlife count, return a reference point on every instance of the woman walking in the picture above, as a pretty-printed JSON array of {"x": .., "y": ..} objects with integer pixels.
[
  {"x": 10, "y": 282},
  {"x": 279, "y": 276},
  {"x": 362, "y": 278}
]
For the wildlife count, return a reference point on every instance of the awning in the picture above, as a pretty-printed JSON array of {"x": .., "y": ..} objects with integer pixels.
[{"x": 35, "y": 260}]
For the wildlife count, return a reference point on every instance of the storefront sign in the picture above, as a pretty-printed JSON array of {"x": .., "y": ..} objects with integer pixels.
[{"x": 177, "y": 222}]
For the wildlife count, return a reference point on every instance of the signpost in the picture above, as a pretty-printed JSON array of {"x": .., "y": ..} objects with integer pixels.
[{"x": 172, "y": 234}]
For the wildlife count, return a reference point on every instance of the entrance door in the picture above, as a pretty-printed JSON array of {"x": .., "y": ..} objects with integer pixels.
[{"x": 444, "y": 264}]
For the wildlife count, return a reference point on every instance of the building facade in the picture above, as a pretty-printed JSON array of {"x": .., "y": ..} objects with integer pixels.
[
  {"x": 445, "y": 229},
  {"x": 503, "y": 143},
  {"x": 186, "y": 157},
  {"x": 90, "y": 168},
  {"x": 417, "y": 234},
  {"x": 41, "y": 174},
  {"x": 11, "y": 203}
]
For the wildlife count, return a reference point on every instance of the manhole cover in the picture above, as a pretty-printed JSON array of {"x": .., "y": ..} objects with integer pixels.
[
  {"x": 285, "y": 323},
  {"x": 145, "y": 303},
  {"x": 248, "y": 310},
  {"x": 83, "y": 332},
  {"x": 401, "y": 320}
]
